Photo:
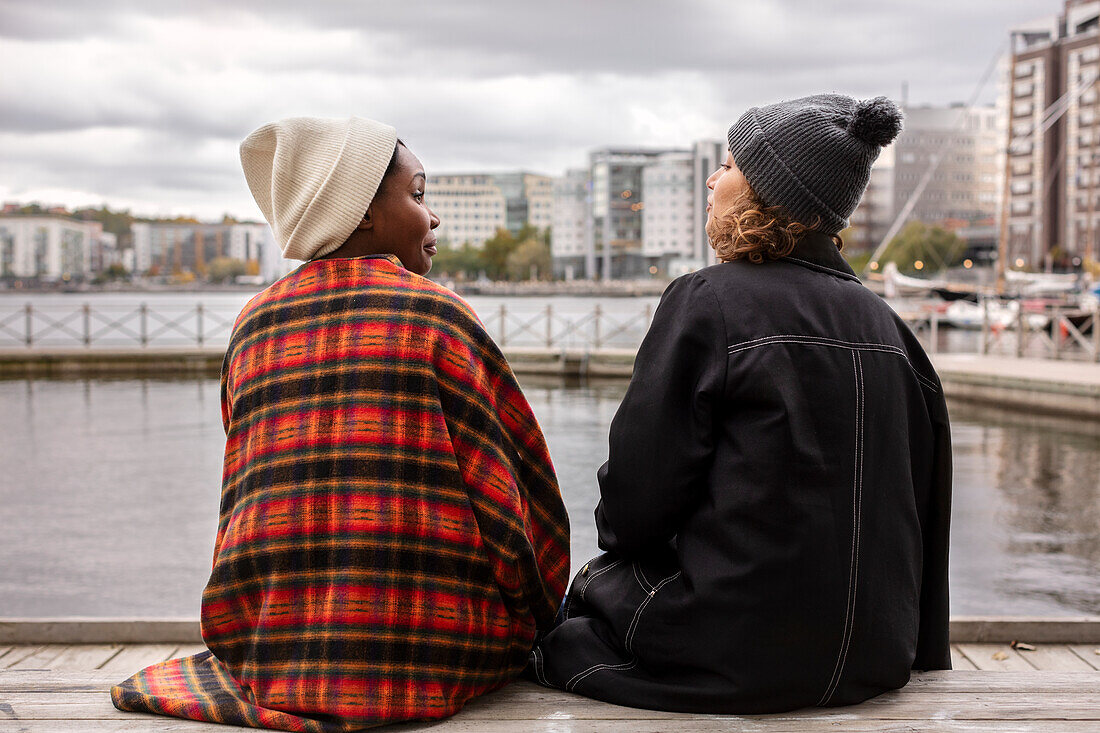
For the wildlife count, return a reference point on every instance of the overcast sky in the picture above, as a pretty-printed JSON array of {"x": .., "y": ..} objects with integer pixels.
[{"x": 143, "y": 104}]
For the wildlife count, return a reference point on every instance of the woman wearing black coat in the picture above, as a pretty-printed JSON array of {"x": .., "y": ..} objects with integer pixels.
[{"x": 776, "y": 501}]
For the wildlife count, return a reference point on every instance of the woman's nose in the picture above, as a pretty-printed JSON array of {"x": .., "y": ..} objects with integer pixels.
[{"x": 434, "y": 219}]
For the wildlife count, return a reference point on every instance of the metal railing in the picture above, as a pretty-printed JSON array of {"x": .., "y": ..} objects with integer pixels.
[
  {"x": 1055, "y": 334},
  {"x": 1048, "y": 333},
  {"x": 114, "y": 325},
  {"x": 186, "y": 324}
]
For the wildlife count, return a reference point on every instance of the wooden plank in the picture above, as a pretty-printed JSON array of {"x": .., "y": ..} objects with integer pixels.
[
  {"x": 501, "y": 706},
  {"x": 148, "y": 724},
  {"x": 1054, "y": 658},
  {"x": 17, "y": 653},
  {"x": 995, "y": 657},
  {"x": 1089, "y": 653},
  {"x": 135, "y": 657},
  {"x": 85, "y": 657},
  {"x": 39, "y": 658},
  {"x": 959, "y": 660},
  {"x": 154, "y": 724},
  {"x": 188, "y": 650}
]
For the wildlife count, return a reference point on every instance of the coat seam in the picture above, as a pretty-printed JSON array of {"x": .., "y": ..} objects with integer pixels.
[
  {"x": 857, "y": 501},
  {"x": 593, "y": 576},
  {"x": 577, "y": 678},
  {"x": 632, "y": 629},
  {"x": 835, "y": 343},
  {"x": 641, "y": 578}
]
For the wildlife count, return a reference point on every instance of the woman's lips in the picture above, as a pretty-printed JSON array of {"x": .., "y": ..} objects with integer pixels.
[{"x": 430, "y": 248}]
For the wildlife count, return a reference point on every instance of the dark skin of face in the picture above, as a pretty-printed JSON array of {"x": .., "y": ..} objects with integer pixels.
[{"x": 398, "y": 220}]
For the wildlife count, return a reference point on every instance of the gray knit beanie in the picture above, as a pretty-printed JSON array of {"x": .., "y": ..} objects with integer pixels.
[{"x": 813, "y": 155}]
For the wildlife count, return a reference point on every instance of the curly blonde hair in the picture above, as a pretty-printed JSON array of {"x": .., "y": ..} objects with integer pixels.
[{"x": 752, "y": 230}]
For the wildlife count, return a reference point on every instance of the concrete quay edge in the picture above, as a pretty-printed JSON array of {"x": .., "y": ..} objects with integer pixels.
[
  {"x": 79, "y": 630},
  {"x": 1038, "y": 385}
]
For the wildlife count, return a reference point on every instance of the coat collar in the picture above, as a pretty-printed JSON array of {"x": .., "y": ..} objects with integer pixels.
[{"x": 818, "y": 252}]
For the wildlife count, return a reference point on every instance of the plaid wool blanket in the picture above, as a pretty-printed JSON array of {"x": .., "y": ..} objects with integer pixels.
[{"x": 391, "y": 531}]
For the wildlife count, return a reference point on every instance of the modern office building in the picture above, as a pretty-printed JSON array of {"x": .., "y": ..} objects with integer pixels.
[
  {"x": 617, "y": 204},
  {"x": 1053, "y": 209},
  {"x": 169, "y": 248},
  {"x": 707, "y": 155},
  {"x": 668, "y": 211},
  {"x": 957, "y": 149},
  {"x": 48, "y": 247},
  {"x": 570, "y": 226},
  {"x": 528, "y": 199},
  {"x": 472, "y": 206},
  {"x": 635, "y": 213}
]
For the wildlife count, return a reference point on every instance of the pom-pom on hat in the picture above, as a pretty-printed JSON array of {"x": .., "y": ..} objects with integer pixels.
[
  {"x": 813, "y": 155},
  {"x": 313, "y": 178}
]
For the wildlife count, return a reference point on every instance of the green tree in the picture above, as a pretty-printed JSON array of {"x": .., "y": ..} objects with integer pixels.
[
  {"x": 461, "y": 263},
  {"x": 935, "y": 247},
  {"x": 113, "y": 272},
  {"x": 530, "y": 259},
  {"x": 221, "y": 269},
  {"x": 494, "y": 255}
]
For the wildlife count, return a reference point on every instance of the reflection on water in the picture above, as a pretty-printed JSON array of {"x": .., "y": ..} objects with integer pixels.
[{"x": 110, "y": 489}]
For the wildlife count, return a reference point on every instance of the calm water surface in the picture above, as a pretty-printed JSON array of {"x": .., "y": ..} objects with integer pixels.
[{"x": 109, "y": 495}]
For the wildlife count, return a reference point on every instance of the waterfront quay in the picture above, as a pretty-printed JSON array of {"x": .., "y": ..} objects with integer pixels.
[{"x": 1069, "y": 388}]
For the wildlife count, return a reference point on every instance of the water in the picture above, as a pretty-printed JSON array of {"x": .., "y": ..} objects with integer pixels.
[{"x": 109, "y": 497}]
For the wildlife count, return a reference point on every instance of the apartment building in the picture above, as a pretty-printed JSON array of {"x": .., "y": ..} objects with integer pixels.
[
  {"x": 170, "y": 248},
  {"x": 49, "y": 247},
  {"x": 1053, "y": 169}
]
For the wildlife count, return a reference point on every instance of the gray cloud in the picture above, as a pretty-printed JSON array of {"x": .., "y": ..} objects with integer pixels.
[{"x": 146, "y": 101}]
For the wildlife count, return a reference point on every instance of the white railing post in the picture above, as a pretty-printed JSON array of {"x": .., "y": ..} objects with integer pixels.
[
  {"x": 549, "y": 326},
  {"x": 198, "y": 324},
  {"x": 143, "y": 311},
  {"x": 503, "y": 325},
  {"x": 87, "y": 313},
  {"x": 596, "y": 320}
]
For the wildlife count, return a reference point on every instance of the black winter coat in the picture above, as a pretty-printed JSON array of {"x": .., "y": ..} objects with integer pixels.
[{"x": 775, "y": 505}]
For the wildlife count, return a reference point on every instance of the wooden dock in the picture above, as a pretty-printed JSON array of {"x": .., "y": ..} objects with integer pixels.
[{"x": 994, "y": 687}]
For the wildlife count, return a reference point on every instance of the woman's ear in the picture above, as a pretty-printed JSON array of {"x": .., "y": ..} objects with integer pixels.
[{"x": 368, "y": 219}]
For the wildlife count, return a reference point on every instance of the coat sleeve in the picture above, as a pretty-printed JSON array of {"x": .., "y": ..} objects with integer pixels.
[
  {"x": 662, "y": 437},
  {"x": 933, "y": 644}
]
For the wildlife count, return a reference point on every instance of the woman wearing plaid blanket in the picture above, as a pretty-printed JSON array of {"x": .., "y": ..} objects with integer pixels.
[{"x": 391, "y": 533}]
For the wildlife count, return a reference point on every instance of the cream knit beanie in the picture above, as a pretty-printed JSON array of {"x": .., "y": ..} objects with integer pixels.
[{"x": 313, "y": 178}]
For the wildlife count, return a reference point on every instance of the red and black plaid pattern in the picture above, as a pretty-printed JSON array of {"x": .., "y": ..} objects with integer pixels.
[{"x": 391, "y": 531}]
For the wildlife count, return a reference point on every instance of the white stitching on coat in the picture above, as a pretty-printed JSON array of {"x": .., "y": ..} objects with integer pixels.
[
  {"x": 857, "y": 506},
  {"x": 576, "y": 679},
  {"x": 633, "y": 627},
  {"x": 593, "y": 576},
  {"x": 825, "y": 341}
]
